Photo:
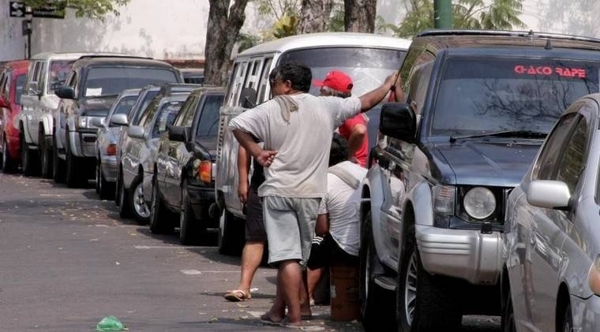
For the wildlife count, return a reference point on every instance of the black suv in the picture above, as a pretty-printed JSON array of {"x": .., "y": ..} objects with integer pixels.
[
  {"x": 90, "y": 89},
  {"x": 478, "y": 106},
  {"x": 183, "y": 181}
]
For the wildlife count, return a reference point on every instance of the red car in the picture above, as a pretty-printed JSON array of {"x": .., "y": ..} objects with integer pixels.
[{"x": 12, "y": 80}]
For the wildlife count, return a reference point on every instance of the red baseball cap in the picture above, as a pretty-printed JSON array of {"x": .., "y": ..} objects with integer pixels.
[{"x": 337, "y": 80}]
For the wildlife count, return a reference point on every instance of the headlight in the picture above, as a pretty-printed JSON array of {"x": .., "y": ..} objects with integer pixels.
[
  {"x": 443, "y": 199},
  {"x": 81, "y": 122},
  {"x": 480, "y": 202}
]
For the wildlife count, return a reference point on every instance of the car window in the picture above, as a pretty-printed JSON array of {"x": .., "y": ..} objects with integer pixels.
[
  {"x": 57, "y": 74},
  {"x": 479, "y": 95},
  {"x": 186, "y": 115},
  {"x": 20, "y": 85},
  {"x": 208, "y": 124},
  {"x": 106, "y": 81},
  {"x": 141, "y": 105},
  {"x": 124, "y": 104},
  {"x": 166, "y": 115},
  {"x": 148, "y": 113},
  {"x": 264, "y": 81},
  {"x": 572, "y": 160},
  {"x": 552, "y": 148},
  {"x": 419, "y": 82},
  {"x": 6, "y": 85}
]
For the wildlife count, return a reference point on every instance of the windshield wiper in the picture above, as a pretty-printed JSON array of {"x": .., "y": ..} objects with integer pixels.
[{"x": 504, "y": 133}]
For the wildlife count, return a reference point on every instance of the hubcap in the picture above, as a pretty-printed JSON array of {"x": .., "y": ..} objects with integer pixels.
[
  {"x": 141, "y": 208},
  {"x": 410, "y": 289}
]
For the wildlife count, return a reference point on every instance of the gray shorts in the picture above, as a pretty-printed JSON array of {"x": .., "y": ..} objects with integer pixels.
[{"x": 290, "y": 225}]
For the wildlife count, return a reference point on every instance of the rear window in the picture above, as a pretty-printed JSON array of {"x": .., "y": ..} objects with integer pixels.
[
  {"x": 368, "y": 67},
  {"x": 106, "y": 81},
  {"x": 477, "y": 95}
]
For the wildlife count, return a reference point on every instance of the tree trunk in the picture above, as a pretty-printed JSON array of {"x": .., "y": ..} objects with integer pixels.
[
  {"x": 360, "y": 15},
  {"x": 224, "y": 24},
  {"x": 314, "y": 16}
]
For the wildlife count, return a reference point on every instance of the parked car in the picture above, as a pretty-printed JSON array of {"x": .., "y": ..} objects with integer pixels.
[
  {"x": 192, "y": 75},
  {"x": 183, "y": 181},
  {"x": 106, "y": 144},
  {"x": 551, "y": 278},
  {"x": 367, "y": 58},
  {"x": 138, "y": 111},
  {"x": 12, "y": 81},
  {"x": 479, "y": 104},
  {"x": 47, "y": 72},
  {"x": 139, "y": 155},
  {"x": 90, "y": 90}
]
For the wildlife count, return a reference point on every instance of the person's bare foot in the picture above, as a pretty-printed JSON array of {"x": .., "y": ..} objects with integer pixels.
[{"x": 269, "y": 319}]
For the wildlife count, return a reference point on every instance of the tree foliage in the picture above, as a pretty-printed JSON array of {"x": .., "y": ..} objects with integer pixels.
[
  {"x": 466, "y": 14},
  {"x": 96, "y": 9}
]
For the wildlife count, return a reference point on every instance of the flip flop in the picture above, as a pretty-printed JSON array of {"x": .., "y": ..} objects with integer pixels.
[
  {"x": 237, "y": 295},
  {"x": 284, "y": 323},
  {"x": 266, "y": 320}
]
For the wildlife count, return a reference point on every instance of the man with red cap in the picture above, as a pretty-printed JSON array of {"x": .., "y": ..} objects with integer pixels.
[{"x": 339, "y": 84}]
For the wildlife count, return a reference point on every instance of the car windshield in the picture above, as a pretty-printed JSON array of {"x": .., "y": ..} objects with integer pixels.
[
  {"x": 209, "y": 118},
  {"x": 478, "y": 96},
  {"x": 166, "y": 116},
  {"x": 21, "y": 80},
  {"x": 368, "y": 67},
  {"x": 59, "y": 70},
  {"x": 106, "y": 81},
  {"x": 124, "y": 104}
]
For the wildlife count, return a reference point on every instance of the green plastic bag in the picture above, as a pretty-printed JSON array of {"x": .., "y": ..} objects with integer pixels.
[{"x": 110, "y": 323}]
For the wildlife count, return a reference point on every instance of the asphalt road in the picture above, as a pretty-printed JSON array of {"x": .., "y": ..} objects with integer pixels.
[{"x": 67, "y": 260}]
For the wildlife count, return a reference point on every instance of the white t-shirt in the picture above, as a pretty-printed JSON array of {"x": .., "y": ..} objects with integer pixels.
[
  {"x": 342, "y": 202},
  {"x": 302, "y": 143}
]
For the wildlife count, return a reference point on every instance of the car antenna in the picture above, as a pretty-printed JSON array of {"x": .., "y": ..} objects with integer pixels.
[{"x": 548, "y": 44}]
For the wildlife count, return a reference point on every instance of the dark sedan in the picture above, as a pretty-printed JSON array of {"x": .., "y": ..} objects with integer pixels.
[{"x": 183, "y": 182}]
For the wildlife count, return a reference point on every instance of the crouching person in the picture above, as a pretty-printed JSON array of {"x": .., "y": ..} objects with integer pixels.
[{"x": 338, "y": 216}]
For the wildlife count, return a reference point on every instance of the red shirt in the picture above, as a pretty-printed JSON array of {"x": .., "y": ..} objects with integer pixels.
[{"x": 345, "y": 130}]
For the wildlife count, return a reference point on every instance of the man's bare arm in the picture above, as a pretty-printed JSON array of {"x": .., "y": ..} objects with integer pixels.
[
  {"x": 322, "y": 226},
  {"x": 264, "y": 157},
  {"x": 356, "y": 139},
  {"x": 370, "y": 99}
]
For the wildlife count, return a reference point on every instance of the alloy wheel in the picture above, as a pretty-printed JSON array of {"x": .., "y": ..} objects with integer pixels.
[
  {"x": 410, "y": 289},
  {"x": 139, "y": 203}
]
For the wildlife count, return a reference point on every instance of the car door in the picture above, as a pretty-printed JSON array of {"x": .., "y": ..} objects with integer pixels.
[
  {"x": 4, "y": 110},
  {"x": 30, "y": 100},
  {"x": 176, "y": 151}
]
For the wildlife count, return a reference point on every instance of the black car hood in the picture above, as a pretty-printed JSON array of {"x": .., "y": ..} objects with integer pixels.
[
  {"x": 96, "y": 106},
  {"x": 494, "y": 163}
]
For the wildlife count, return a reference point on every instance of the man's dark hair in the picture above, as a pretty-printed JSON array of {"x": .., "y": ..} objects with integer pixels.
[
  {"x": 339, "y": 150},
  {"x": 297, "y": 73}
]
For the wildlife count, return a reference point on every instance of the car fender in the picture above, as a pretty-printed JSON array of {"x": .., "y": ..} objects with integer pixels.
[
  {"x": 422, "y": 202},
  {"x": 47, "y": 123},
  {"x": 374, "y": 187}
]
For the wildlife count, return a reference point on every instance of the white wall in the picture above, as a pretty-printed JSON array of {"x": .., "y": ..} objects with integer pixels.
[{"x": 176, "y": 29}]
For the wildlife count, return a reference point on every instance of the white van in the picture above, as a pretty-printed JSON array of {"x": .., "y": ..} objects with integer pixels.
[
  {"x": 47, "y": 72},
  {"x": 367, "y": 58}
]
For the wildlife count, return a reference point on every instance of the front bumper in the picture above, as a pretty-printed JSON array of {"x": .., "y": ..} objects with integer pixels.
[
  {"x": 109, "y": 168},
  {"x": 464, "y": 254},
  {"x": 586, "y": 313}
]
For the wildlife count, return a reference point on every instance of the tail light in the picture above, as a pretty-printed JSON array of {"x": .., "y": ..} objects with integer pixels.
[
  {"x": 205, "y": 171},
  {"x": 111, "y": 150}
]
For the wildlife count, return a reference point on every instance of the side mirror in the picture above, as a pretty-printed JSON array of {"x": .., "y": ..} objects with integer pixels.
[
  {"x": 96, "y": 122},
  {"x": 398, "y": 121},
  {"x": 136, "y": 132},
  {"x": 66, "y": 92},
  {"x": 248, "y": 98},
  {"x": 118, "y": 120},
  {"x": 179, "y": 133},
  {"x": 549, "y": 194}
]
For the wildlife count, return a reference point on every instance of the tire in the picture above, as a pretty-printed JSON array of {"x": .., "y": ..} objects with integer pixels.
[
  {"x": 137, "y": 203},
  {"x": 373, "y": 309},
  {"x": 508, "y": 316},
  {"x": 75, "y": 176},
  {"x": 9, "y": 165},
  {"x": 191, "y": 231},
  {"x": 231, "y": 234},
  {"x": 567, "y": 320},
  {"x": 124, "y": 200},
  {"x": 58, "y": 165},
  {"x": 105, "y": 189},
  {"x": 160, "y": 222},
  {"x": 28, "y": 158},
  {"x": 421, "y": 296},
  {"x": 45, "y": 157}
]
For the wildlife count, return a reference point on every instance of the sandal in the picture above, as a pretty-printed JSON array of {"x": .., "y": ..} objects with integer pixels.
[{"x": 237, "y": 295}]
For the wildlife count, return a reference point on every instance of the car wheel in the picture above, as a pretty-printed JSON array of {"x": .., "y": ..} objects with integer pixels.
[
  {"x": 58, "y": 165},
  {"x": 190, "y": 229},
  {"x": 231, "y": 234},
  {"x": 567, "y": 320},
  {"x": 124, "y": 207},
  {"x": 508, "y": 316},
  {"x": 9, "y": 165},
  {"x": 45, "y": 157},
  {"x": 75, "y": 170},
  {"x": 140, "y": 209},
  {"x": 420, "y": 296},
  {"x": 105, "y": 189},
  {"x": 27, "y": 158},
  {"x": 160, "y": 222},
  {"x": 372, "y": 306}
]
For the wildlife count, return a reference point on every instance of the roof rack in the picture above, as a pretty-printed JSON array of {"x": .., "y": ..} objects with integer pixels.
[
  {"x": 507, "y": 33},
  {"x": 116, "y": 55}
]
